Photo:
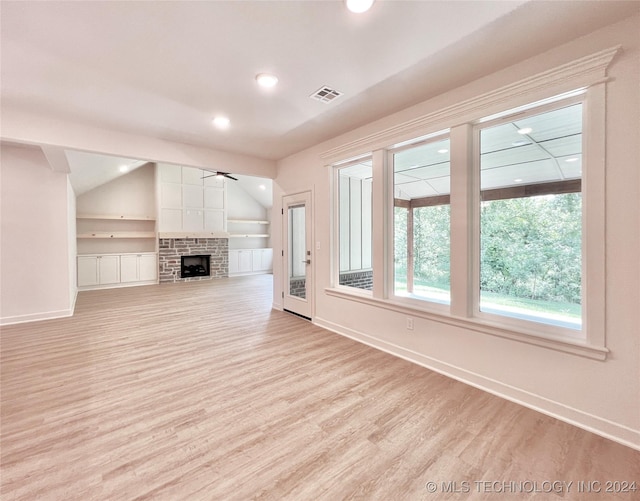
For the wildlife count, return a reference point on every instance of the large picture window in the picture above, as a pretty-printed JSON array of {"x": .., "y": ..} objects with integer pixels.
[
  {"x": 422, "y": 221},
  {"x": 531, "y": 217},
  {"x": 489, "y": 218}
]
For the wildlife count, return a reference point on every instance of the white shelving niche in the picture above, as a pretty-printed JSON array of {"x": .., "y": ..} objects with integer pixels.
[
  {"x": 249, "y": 253},
  {"x": 116, "y": 250}
]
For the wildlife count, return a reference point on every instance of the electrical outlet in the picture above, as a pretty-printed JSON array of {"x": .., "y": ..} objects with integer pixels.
[{"x": 409, "y": 323}]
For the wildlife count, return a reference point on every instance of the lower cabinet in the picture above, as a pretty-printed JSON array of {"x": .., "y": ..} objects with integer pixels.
[
  {"x": 138, "y": 268},
  {"x": 113, "y": 270},
  {"x": 250, "y": 261}
]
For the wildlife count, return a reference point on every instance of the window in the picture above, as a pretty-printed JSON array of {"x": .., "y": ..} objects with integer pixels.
[
  {"x": 531, "y": 217},
  {"x": 422, "y": 221},
  {"x": 355, "y": 225},
  {"x": 490, "y": 213}
]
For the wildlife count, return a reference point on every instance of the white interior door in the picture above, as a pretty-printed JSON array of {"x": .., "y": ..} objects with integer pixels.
[{"x": 298, "y": 283}]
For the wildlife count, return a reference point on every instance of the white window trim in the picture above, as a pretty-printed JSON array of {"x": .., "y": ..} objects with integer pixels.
[
  {"x": 410, "y": 300},
  {"x": 335, "y": 226},
  {"x": 587, "y": 73},
  {"x": 543, "y": 328}
]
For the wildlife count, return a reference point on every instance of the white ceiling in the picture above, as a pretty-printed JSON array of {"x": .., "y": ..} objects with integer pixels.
[{"x": 164, "y": 69}]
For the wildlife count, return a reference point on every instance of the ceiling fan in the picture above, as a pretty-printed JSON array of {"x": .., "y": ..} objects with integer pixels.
[{"x": 220, "y": 175}]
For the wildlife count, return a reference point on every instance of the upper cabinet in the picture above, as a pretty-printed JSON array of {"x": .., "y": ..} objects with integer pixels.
[{"x": 191, "y": 202}]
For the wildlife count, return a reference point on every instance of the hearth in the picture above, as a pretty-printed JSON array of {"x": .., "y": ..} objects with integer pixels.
[{"x": 195, "y": 266}]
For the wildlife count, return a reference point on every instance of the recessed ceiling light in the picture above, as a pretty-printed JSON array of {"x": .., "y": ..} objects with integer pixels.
[
  {"x": 518, "y": 180},
  {"x": 519, "y": 143},
  {"x": 525, "y": 130},
  {"x": 266, "y": 80},
  {"x": 443, "y": 150},
  {"x": 262, "y": 187},
  {"x": 221, "y": 122},
  {"x": 359, "y": 6},
  {"x": 572, "y": 159},
  {"x": 123, "y": 168}
]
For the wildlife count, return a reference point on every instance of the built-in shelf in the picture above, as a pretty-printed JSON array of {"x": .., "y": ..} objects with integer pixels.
[
  {"x": 119, "y": 234},
  {"x": 248, "y": 221},
  {"x": 111, "y": 216},
  {"x": 193, "y": 234},
  {"x": 246, "y": 235}
]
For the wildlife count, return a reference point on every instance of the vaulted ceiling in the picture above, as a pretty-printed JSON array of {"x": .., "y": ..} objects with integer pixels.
[{"x": 165, "y": 69}]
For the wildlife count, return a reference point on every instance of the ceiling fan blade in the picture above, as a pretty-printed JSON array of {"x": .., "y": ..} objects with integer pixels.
[{"x": 219, "y": 173}]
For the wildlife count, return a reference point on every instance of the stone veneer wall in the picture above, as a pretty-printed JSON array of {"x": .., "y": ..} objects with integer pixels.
[{"x": 171, "y": 249}]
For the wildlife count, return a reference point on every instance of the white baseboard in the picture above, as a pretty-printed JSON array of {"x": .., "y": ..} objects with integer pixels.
[
  {"x": 590, "y": 422},
  {"x": 36, "y": 317},
  {"x": 277, "y": 306}
]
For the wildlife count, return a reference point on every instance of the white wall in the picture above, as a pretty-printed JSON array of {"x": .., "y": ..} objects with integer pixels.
[
  {"x": 131, "y": 194},
  {"x": 603, "y": 396},
  {"x": 34, "y": 251}
]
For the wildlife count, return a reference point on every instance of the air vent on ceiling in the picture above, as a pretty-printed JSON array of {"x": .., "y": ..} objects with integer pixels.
[{"x": 325, "y": 94}]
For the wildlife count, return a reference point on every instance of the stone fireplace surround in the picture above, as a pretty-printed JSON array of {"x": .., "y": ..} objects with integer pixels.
[{"x": 171, "y": 249}]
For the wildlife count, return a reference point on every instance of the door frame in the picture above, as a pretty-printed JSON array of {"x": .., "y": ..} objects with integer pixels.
[{"x": 304, "y": 308}]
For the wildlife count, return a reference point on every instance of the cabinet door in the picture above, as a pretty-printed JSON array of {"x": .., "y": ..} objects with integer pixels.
[
  {"x": 129, "y": 268},
  {"x": 87, "y": 270},
  {"x": 244, "y": 261},
  {"x": 256, "y": 260},
  {"x": 234, "y": 266},
  {"x": 109, "y": 269},
  {"x": 147, "y": 267},
  {"x": 267, "y": 259}
]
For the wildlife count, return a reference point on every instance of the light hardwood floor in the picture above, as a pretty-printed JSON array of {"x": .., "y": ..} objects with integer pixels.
[{"x": 199, "y": 391}]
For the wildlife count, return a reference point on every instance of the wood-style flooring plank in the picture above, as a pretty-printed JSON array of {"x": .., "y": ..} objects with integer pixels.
[{"x": 200, "y": 391}]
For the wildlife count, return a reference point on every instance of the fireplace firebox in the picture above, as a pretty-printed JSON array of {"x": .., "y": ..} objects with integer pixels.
[{"x": 195, "y": 266}]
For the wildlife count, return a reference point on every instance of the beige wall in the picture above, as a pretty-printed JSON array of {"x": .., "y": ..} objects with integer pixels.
[
  {"x": 600, "y": 395},
  {"x": 35, "y": 255}
]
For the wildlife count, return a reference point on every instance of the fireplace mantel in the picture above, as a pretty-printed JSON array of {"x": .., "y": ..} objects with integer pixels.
[{"x": 193, "y": 234}]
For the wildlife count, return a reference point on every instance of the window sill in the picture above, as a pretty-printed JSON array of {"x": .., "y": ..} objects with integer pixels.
[{"x": 566, "y": 345}]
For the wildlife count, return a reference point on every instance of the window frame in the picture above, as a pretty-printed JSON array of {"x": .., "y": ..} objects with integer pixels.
[
  {"x": 586, "y": 75},
  {"x": 336, "y": 238},
  {"x": 411, "y": 300},
  {"x": 544, "y": 328}
]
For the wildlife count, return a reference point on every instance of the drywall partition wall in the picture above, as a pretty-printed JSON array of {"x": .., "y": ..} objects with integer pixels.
[
  {"x": 602, "y": 396},
  {"x": 72, "y": 248},
  {"x": 34, "y": 218}
]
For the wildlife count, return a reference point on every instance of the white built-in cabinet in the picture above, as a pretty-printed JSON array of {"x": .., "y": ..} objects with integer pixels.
[
  {"x": 116, "y": 250},
  {"x": 191, "y": 200},
  {"x": 250, "y": 261},
  {"x": 98, "y": 270},
  {"x": 117, "y": 270},
  {"x": 138, "y": 268}
]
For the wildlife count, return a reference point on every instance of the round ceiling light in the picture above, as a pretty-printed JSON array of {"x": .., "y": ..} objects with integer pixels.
[
  {"x": 525, "y": 130},
  {"x": 359, "y": 6},
  {"x": 266, "y": 80},
  {"x": 221, "y": 122}
]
